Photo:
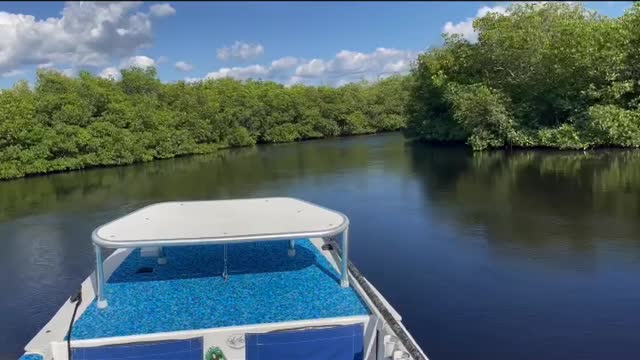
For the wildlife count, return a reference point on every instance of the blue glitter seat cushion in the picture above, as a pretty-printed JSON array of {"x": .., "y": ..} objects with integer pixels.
[
  {"x": 265, "y": 286},
  {"x": 31, "y": 357}
]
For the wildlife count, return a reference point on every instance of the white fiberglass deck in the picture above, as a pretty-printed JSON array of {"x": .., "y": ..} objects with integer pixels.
[{"x": 220, "y": 221}]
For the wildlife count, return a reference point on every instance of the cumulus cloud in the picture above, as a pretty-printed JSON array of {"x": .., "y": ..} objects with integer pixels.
[
  {"x": 183, "y": 66},
  {"x": 69, "y": 72},
  {"x": 285, "y": 63},
  {"x": 296, "y": 80},
  {"x": 313, "y": 68},
  {"x": 139, "y": 61},
  {"x": 161, "y": 10},
  {"x": 240, "y": 73},
  {"x": 240, "y": 50},
  {"x": 191, "y": 79},
  {"x": 346, "y": 66},
  {"x": 279, "y": 69},
  {"x": 110, "y": 73},
  {"x": 85, "y": 34},
  {"x": 465, "y": 28}
]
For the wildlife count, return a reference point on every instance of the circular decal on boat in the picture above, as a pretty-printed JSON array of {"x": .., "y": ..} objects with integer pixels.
[{"x": 236, "y": 341}]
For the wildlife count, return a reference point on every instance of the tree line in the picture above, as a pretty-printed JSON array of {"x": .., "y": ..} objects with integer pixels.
[
  {"x": 553, "y": 75},
  {"x": 66, "y": 123}
]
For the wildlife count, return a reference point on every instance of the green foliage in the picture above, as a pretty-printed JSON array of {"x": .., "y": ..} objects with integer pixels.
[
  {"x": 552, "y": 74},
  {"x": 611, "y": 125},
  {"x": 282, "y": 133},
  {"x": 565, "y": 136},
  {"x": 69, "y": 123},
  {"x": 429, "y": 114},
  {"x": 357, "y": 123},
  {"x": 239, "y": 136},
  {"x": 481, "y": 113}
]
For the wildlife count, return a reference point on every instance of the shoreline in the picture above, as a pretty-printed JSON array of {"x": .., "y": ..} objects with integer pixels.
[{"x": 214, "y": 149}]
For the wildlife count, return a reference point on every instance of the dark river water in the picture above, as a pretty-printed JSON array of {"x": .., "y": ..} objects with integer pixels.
[{"x": 523, "y": 255}]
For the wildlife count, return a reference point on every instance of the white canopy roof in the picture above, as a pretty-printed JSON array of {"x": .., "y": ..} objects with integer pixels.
[{"x": 220, "y": 221}]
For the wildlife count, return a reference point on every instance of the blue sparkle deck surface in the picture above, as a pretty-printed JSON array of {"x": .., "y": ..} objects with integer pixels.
[
  {"x": 31, "y": 357},
  {"x": 265, "y": 286}
]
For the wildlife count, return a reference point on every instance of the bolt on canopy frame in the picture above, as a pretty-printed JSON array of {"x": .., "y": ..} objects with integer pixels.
[{"x": 220, "y": 222}]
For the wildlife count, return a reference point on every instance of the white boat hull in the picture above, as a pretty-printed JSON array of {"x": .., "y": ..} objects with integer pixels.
[{"x": 382, "y": 339}]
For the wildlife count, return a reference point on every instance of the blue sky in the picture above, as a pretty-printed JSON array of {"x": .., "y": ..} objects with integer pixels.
[{"x": 316, "y": 43}]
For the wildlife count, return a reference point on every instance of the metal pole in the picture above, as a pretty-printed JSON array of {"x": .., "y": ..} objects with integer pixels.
[
  {"x": 102, "y": 302},
  {"x": 344, "y": 280},
  {"x": 162, "y": 257},
  {"x": 225, "y": 273},
  {"x": 292, "y": 248}
]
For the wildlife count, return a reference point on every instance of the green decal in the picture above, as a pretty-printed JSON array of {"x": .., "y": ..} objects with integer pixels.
[{"x": 215, "y": 353}]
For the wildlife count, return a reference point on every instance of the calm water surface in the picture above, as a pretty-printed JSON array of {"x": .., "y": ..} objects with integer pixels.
[{"x": 527, "y": 255}]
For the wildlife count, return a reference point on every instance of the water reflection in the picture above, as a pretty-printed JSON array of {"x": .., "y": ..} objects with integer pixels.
[
  {"x": 560, "y": 202},
  {"x": 527, "y": 255},
  {"x": 236, "y": 172},
  {"x": 46, "y": 221}
]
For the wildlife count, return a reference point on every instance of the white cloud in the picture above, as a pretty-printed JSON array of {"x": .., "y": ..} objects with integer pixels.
[
  {"x": 12, "y": 73},
  {"x": 349, "y": 66},
  {"x": 69, "y": 72},
  {"x": 183, "y": 66},
  {"x": 313, "y": 68},
  {"x": 240, "y": 73},
  {"x": 465, "y": 28},
  {"x": 110, "y": 73},
  {"x": 399, "y": 66},
  {"x": 295, "y": 80},
  {"x": 346, "y": 66},
  {"x": 139, "y": 61},
  {"x": 191, "y": 79},
  {"x": 249, "y": 72},
  {"x": 161, "y": 60},
  {"x": 86, "y": 34},
  {"x": 45, "y": 65},
  {"x": 240, "y": 50},
  {"x": 161, "y": 10},
  {"x": 284, "y": 63}
]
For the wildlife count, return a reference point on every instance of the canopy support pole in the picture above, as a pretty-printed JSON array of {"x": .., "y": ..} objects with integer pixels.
[
  {"x": 162, "y": 257},
  {"x": 102, "y": 302},
  {"x": 292, "y": 248},
  {"x": 344, "y": 272},
  {"x": 225, "y": 272}
]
